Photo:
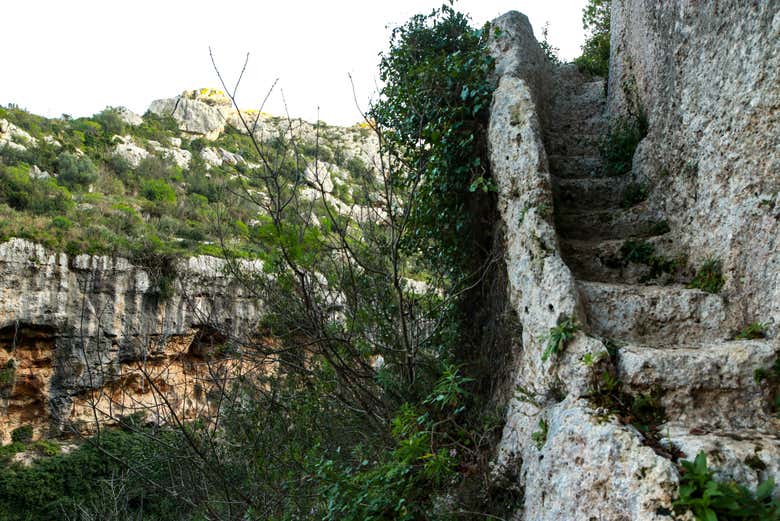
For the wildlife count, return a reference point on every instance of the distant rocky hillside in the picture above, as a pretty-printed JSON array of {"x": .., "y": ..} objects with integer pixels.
[{"x": 184, "y": 178}]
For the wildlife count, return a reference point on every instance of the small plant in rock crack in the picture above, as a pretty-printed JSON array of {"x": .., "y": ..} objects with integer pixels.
[
  {"x": 619, "y": 146},
  {"x": 752, "y": 331},
  {"x": 643, "y": 252},
  {"x": 643, "y": 411},
  {"x": 709, "y": 277},
  {"x": 559, "y": 337},
  {"x": 634, "y": 194},
  {"x": 540, "y": 437},
  {"x": 711, "y": 500}
]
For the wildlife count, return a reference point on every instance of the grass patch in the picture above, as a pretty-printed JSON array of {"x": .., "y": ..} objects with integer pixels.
[
  {"x": 752, "y": 331},
  {"x": 709, "y": 277}
]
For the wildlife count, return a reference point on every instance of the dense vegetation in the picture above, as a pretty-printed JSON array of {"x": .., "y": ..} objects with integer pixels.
[
  {"x": 96, "y": 202},
  {"x": 375, "y": 406}
]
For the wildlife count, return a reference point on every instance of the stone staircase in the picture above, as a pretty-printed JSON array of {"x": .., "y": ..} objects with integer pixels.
[{"x": 671, "y": 340}]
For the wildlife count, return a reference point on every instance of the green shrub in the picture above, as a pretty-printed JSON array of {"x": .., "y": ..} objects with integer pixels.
[
  {"x": 159, "y": 191},
  {"x": 38, "y": 196},
  {"x": 709, "y": 277},
  {"x": 111, "y": 122},
  {"x": 712, "y": 500},
  {"x": 6, "y": 451},
  {"x": 22, "y": 434},
  {"x": 549, "y": 51},
  {"x": 46, "y": 448},
  {"x": 595, "y": 51},
  {"x": 74, "y": 171},
  {"x": 437, "y": 92},
  {"x": 619, "y": 146}
]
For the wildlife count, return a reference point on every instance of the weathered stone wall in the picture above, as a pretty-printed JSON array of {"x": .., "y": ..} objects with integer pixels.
[
  {"x": 73, "y": 325},
  {"x": 708, "y": 76}
]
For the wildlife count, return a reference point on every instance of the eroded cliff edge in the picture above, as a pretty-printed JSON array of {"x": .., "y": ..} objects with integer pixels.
[
  {"x": 84, "y": 337},
  {"x": 564, "y": 450}
]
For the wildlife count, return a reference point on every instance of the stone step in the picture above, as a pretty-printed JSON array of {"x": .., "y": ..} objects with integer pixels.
[
  {"x": 747, "y": 456},
  {"x": 574, "y": 167},
  {"x": 604, "y": 261},
  {"x": 653, "y": 315},
  {"x": 571, "y": 120},
  {"x": 699, "y": 385},
  {"x": 637, "y": 221},
  {"x": 589, "y": 192},
  {"x": 584, "y": 143}
]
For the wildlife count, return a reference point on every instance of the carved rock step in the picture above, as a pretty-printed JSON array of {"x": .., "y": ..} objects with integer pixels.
[
  {"x": 568, "y": 122},
  {"x": 745, "y": 456},
  {"x": 575, "y": 167},
  {"x": 581, "y": 143},
  {"x": 637, "y": 221},
  {"x": 595, "y": 192},
  {"x": 704, "y": 385},
  {"x": 603, "y": 261},
  {"x": 655, "y": 315}
]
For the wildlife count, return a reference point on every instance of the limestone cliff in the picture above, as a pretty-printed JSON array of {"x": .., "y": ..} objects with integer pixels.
[
  {"x": 83, "y": 337},
  {"x": 653, "y": 372}
]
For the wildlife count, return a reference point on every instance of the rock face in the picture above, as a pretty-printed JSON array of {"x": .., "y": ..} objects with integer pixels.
[
  {"x": 79, "y": 332},
  {"x": 708, "y": 77},
  {"x": 570, "y": 448}
]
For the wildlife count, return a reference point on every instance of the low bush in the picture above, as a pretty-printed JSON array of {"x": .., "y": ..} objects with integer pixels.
[{"x": 709, "y": 499}]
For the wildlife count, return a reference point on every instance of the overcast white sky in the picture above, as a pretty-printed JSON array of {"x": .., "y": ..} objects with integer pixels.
[{"x": 79, "y": 56}]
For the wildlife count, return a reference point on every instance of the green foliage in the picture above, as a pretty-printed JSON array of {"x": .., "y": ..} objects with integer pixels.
[
  {"x": 752, "y": 331},
  {"x": 75, "y": 172},
  {"x": 712, "y": 500},
  {"x": 401, "y": 484},
  {"x": 709, "y": 277},
  {"x": 642, "y": 252},
  {"x": 619, "y": 146},
  {"x": 644, "y": 410},
  {"x": 6, "y": 451},
  {"x": 549, "y": 51},
  {"x": 22, "y": 434},
  {"x": 38, "y": 196},
  {"x": 595, "y": 51},
  {"x": 433, "y": 111},
  {"x": 46, "y": 448},
  {"x": 159, "y": 191},
  {"x": 540, "y": 437},
  {"x": 52, "y": 488},
  {"x": 558, "y": 337}
]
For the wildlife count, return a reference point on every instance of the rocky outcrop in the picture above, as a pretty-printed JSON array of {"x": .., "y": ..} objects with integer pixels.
[
  {"x": 129, "y": 117},
  {"x": 82, "y": 337},
  {"x": 572, "y": 446},
  {"x": 14, "y": 137}
]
